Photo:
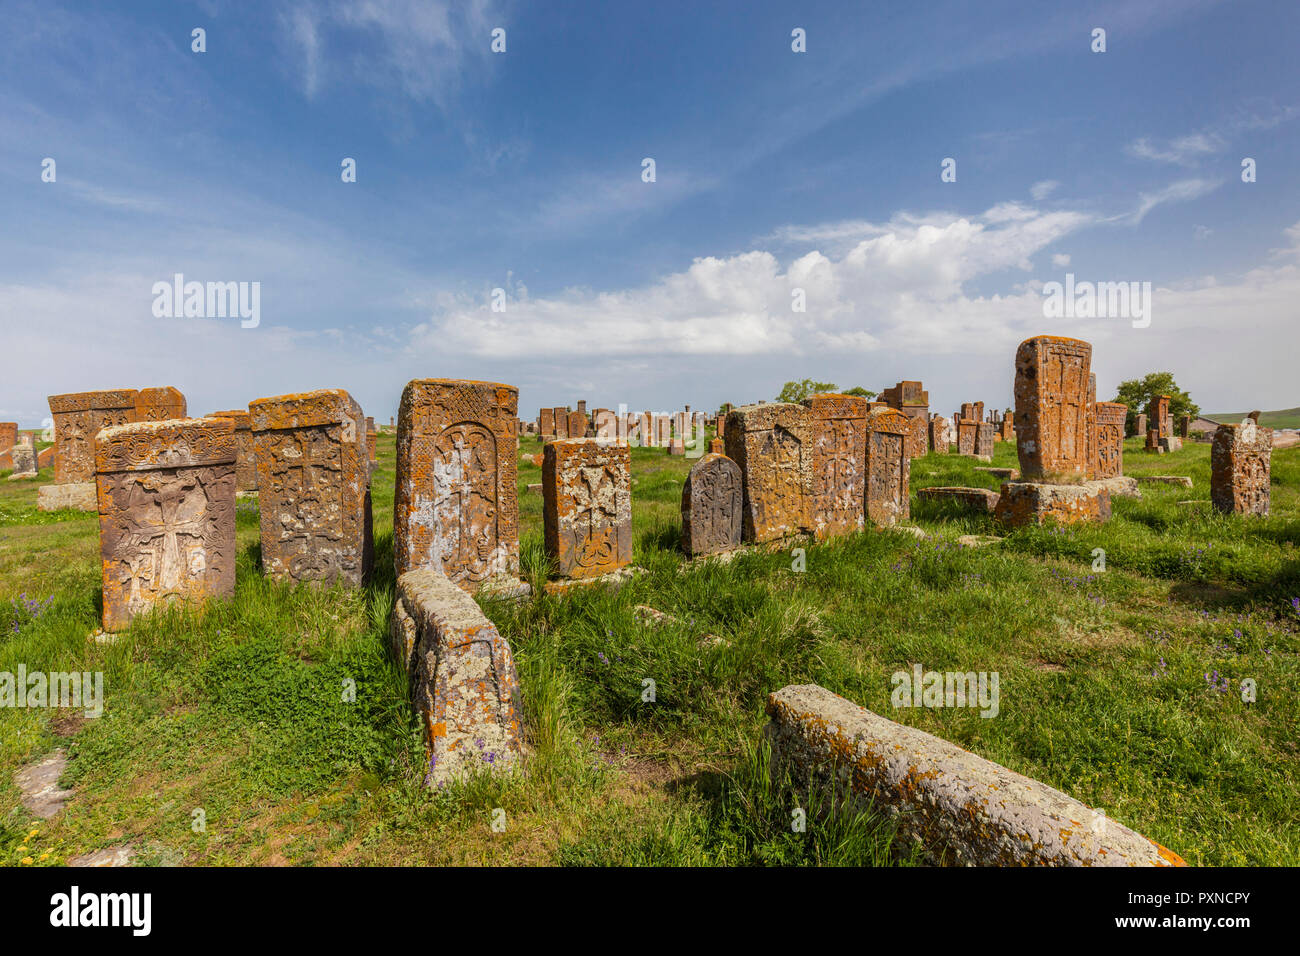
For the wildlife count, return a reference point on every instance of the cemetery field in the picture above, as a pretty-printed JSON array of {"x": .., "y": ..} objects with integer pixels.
[{"x": 226, "y": 738}]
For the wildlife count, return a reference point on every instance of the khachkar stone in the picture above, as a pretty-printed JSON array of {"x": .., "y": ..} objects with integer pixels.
[
  {"x": 546, "y": 423},
  {"x": 78, "y": 417},
  {"x": 772, "y": 445},
  {"x": 560, "y": 418},
  {"x": 1240, "y": 463},
  {"x": 314, "y": 486},
  {"x": 245, "y": 458},
  {"x": 967, "y": 429},
  {"x": 838, "y": 425},
  {"x": 587, "y": 506},
  {"x": 8, "y": 435},
  {"x": 1007, "y": 430},
  {"x": 456, "y": 506},
  {"x": 1109, "y": 441},
  {"x": 24, "y": 459},
  {"x": 578, "y": 423},
  {"x": 605, "y": 424},
  {"x": 712, "y": 502},
  {"x": 984, "y": 433},
  {"x": 720, "y": 426},
  {"x": 462, "y": 677},
  {"x": 166, "y": 493},
  {"x": 159, "y": 404},
  {"x": 1052, "y": 406},
  {"x": 1184, "y": 426},
  {"x": 889, "y": 468},
  {"x": 1091, "y": 433},
  {"x": 1158, "y": 427},
  {"x": 1140, "y": 425},
  {"x": 938, "y": 434},
  {"x": 372, "y": 440}
]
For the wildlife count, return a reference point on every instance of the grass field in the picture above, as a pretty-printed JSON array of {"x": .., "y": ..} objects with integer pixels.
[
  {"x": 1117, "y": 686},
  {"x": 1284, "y": 418}
]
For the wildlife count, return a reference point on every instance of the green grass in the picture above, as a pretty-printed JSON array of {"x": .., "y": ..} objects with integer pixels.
[{"x": 239, "y": 710}]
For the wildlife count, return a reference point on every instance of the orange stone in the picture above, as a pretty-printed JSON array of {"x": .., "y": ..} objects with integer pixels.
[
  {"x": 78, "y": 417},
  {"x": 456, "y": 506},
  {"x": 313, "y": 486},
  {"x": 159, "y": 404},
  {"x": 166, "y": 493},
  {"x": 1052, "y": 408},
  {"x": 1109, "y": 441},
  {"x": 838, "y": 424},
  {"x": 889, "y": 468},
  {"x": 1240, "y": 465},
  {"x": 245, "y": 459},
  {"x": 587, "y": 506},
  {"x": 772, "y": 444}
]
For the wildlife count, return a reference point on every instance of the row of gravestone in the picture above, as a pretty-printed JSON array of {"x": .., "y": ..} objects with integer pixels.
[
  {"x": 18, "y": 452},
  {"x": 644, "y": 429}
]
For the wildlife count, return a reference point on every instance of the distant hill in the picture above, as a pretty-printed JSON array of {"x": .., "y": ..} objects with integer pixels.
[{"x": 1286, "y": 418}]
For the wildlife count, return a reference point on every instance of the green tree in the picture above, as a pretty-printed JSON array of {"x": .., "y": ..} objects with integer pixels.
[
  {"x": 1137, "y": 393},
  {"x": 798, "y": 391},
  {"x": 866, "y": 393}
]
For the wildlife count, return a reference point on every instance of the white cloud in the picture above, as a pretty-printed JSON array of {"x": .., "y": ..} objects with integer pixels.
[
  {"x": 1061, "y": 260},
  {"x": 1184, "y": 190},
  {"x": 1042, "y": 189},
  {"x": 1184, "y": 151}
]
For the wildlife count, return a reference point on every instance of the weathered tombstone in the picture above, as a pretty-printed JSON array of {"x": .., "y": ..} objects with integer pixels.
[
  {"x": 663, "y": 430},
  {"x": 772, "y": 445},
  {"x": 1110, "y": 417},
  {"x": 78, "y": 417},
  {"x": 314, "y": 486},
  {"x": 159, "y": 404},
  {"x": 23, "y": 455},
  {"x": 462, "y": 676},
  {"x": 8, "y": 435},
  {"x": 578, "y": 423},
  {"x": 1184, "y": 426},
  {"x": 970, "y": 499},
  {"x": 984, "y": 433},
  {"x": 1007, "y": 430},
  {"x": 889, "y": 468},
  {"x": 372, "y": 440},
  {"x": 166, "y": 493},
  {"x": 838, "y": 428},
  {"x": 967, "y": 430},
  {"x": 938, "y": 434},
  {"x": 546, "y": 422},
  {"x": 720, "y": 426},
  {"x": 1051, "y": 406},
  {"x": 712, "y": 502},
  {"x": 717, "y": 446},
  {"x": 1157, "y": 422},
  {"x": 456, "y": 504},
  {"x": 632, "y": 430},
  {"x": 606, "y": 424},
  {"x": 561, "y": 419},
  {"x": 245, "y": 457},
  {"x": 1090, "y": 435},
  {"x": 587, "y": 506},
  {"x": 1140, "y": 425},
  {"x": 582, "y": 408},
  {"x": 1240, "y": 466}
]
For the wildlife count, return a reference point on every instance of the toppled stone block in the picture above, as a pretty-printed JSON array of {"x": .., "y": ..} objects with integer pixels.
[
  {"x": 1181, "y": 480},
  {"x": 76, "y": 496},
  {"x": 960, "y": 808},
  {"x": 976, "y": 499},
  {"x": 1032, "y": 502},
  {"x": 462, "y": 675}
]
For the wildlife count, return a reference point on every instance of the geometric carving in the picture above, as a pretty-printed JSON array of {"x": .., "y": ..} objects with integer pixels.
[
  {"x": 78, "y": 417},
  {"x": 838, "y": 424},
  {"x": 772, "y": 445},
  {"x": 166, "y": 495},
  {"x": 1240, "y": 467},
  {"x": 1109, "y": 420},
  {"x": 1052, "y": 409},
  {"x": 889, "y": 468},
  {"x": 313, "y": 486},
  {"x": 456, "y": 506},
  {"x": 245, "y": 459},
  {"x": 711, "y": 506},
  {"x": 587, "y": 506}
]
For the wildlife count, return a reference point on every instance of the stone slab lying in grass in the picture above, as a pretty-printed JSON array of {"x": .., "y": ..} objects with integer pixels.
[
  {"x": 79, "y": 496},
  {"x": 462, "y": 677},
  {"x": 976, "y": 499},
  {"x": 960, "y": 808},
  {"x": 1034, "y": 502},
  {"x": 1006, "y": 474},
  {"x": 1181, "y": 480}
]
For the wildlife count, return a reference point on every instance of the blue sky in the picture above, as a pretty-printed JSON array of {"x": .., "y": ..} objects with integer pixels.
[{"x": 523, "y": 170}]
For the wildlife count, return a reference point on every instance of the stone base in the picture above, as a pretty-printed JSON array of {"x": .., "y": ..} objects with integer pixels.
[
  {"x": 1006, "y": 474},
  {"x": 22, "y": 476},
  {"x": 1171, "y": 444},
  {"x": 75, "y": 496},
  {"x": 976, "y": 499},
  {"x": 1032, "y": 502},
  {"x": 505, "y": 588},
  {"x": 615, "y": 579},
  {"x": 1120, "y": 486}
]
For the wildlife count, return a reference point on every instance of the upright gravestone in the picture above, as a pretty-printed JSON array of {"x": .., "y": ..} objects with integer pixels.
[
  {"x": 772, "y": 445},
  {"x": 245, "y": 457},
  {"x": 314, "y": 486},
  {"x": 546, "y": 423},
  {"x": 1110, "y": 417},
  {"x": 23, "y": 455},
  {"x": 78, "y": 417},
  {"x": 967, "y": 430},
  {"x": 1184, "y": 426},
  {"x": 838, "y": 427},
  {"x": 984, "y": 433},
  {"x": 1007, "y": 430},
  {"x": 561, "y": 419},
  {"x": 889, "y": 468},
  {"x": 166, "y": 494},
  {"x": 1140, "y": 425},
  {"x": 159, "y": 404},
  {"x": 578, "y": 423},
  {"x": 605, "y": 424},
  {"x": 8, "y": 435},
  {"x": 712, "y": 502},
  {"x": 938, "y": 434},
  {"x": 1240, "y": 466},
  {"x": 1051, "y": 406},
  {"x": 1157, "y": 422},
  {"x": 587, "y": 506},
  {"x": 456, "y": 502},
  {"x": 372, "y": 440}
]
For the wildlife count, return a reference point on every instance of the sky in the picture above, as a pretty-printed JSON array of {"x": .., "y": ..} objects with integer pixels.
[{"x": 501, "y": 225}]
